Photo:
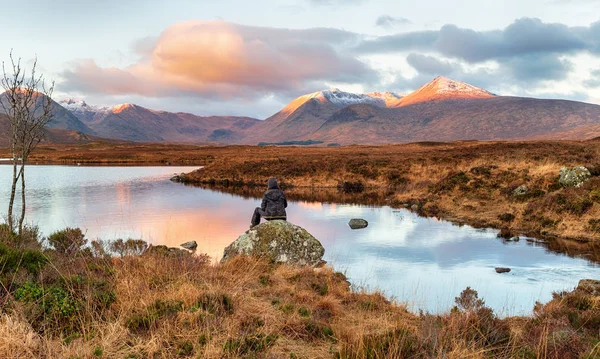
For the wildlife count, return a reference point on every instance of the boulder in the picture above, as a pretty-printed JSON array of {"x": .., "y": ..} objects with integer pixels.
[
  {"x": 521, "y": 190},
  {"x": 573, "y": 176},
  {"x": 589, "y": 286},
  {"x": 178, "y": 177},
  {"x": 358, "y": 223},
  {"x": 502, "y": 270},
  {"x": 281, "y": 242},
  {"x": 513, "y": 239},
  {"x": 166, "y": 251},
  {"x": 192, "y": 245}
]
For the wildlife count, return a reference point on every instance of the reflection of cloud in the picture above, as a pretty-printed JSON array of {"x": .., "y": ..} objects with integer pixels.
[
  {"x": 310, "y": 205},
  {"x": 123, "y": 194}
]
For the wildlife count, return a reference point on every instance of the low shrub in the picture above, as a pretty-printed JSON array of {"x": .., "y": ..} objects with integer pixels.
[{"x": 67, "y": 241}]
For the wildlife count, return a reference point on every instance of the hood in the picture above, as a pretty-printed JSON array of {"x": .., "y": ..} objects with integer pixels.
[{"x": 272, "y": 183}]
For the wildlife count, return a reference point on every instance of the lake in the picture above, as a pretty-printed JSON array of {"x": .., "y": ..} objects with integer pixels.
[{"x": 424, "y": 262}]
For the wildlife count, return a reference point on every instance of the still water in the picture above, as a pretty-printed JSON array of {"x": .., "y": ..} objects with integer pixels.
[{"x": 423, "y": 262}]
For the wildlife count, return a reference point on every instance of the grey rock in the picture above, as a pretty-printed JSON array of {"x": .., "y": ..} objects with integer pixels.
[
  {"x": 279, "y": 241},
  {"x": 521, "y": 190},
  {"x": 514, "y": 239},
  {"x": 414, "y": 207},
  {"x": 590, "y": 286},
  {"x": 166, "y": 251},
  {"x": 358, "y": 223},
  {"x": 502, "y": 270},
  {"x": 178, "y": 178},
  {"x": 573, "y": 176},
  {"x": 192, "y": 245}
]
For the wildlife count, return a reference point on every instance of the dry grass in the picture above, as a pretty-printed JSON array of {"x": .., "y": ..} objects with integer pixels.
[{"x": 164, "y": 305}]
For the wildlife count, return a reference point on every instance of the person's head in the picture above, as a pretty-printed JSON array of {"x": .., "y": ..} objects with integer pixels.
[{"x": 272, "y": 183}]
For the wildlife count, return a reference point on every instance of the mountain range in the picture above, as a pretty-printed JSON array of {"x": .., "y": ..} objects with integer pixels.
[{"x": 441, "y": 110}]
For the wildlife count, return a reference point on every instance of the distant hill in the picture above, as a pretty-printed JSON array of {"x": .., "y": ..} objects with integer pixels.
[
  {"x": 136, "y": 123},
  {"x": 62, "y": 118},
  {"x": 51, "y": 136}
]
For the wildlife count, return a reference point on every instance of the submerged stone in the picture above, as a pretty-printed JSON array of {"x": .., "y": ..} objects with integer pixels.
[
  {"x": 281, "y": 242},
  {"x": 358, "y": 223}
]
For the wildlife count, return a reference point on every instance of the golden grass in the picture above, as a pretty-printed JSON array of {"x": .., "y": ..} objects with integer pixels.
[{"x": 254, "y": 309}]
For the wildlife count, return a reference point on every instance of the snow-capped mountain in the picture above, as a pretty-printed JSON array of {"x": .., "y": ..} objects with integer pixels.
[
  {"x": 443, "y": 89},
  {"x": 83, "y": 111}
]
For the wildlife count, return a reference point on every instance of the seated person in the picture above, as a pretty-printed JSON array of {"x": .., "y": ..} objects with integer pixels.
[{"x": 273, "y": 204}]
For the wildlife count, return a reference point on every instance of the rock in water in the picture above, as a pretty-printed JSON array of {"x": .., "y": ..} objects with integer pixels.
[
  {"x": 280, "y": 241},
  {"x": 358, "y": 223},
  {"x": 573, "y": 176},
  {"x": 192, "y": 245},
  {"x": 502, "y": 270}
]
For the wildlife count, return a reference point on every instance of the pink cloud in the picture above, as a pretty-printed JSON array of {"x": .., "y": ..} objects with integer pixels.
[{"x": 228, "y": 60}]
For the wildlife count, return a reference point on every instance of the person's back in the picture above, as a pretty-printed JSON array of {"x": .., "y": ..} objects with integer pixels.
[{"x": 273, "y": 204}]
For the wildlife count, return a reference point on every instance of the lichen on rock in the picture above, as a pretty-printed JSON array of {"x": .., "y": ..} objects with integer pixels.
[
  {"x": 573, "y": 176},
  {"x": 281, "y": 242}
]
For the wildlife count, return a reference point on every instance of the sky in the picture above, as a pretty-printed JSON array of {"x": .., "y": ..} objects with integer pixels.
[{"x": 250, "y": 58}]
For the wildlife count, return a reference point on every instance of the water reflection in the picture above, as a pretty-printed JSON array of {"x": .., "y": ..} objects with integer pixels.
[{"x": 424, "y": 261}]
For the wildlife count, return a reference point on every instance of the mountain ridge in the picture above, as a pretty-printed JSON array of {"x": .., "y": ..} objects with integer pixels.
[{"x": 440, "y": 110}]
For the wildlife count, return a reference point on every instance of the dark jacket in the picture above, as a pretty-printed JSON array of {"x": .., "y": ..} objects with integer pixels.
[{"x": 274, "y": 202}]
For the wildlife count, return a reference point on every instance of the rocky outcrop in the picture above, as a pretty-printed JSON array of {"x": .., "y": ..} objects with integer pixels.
[
  {"x": 279, "y": 241},
  {"x": 192, "y": 245},
  {"x": 358, "y": 223},
  {"x": 163, "y": 250},
  {"x": 573, "y": 176}
]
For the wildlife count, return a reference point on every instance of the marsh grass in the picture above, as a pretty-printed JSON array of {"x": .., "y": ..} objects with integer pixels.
[{"x": 80, "y": 302}]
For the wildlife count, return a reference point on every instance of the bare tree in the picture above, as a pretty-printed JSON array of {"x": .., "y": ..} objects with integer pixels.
[{"x": 28, "y": 104}]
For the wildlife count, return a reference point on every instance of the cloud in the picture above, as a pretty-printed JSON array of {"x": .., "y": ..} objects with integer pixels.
[
  {"x": 429, "y": 64},
  {"x": 522, "y": 37},
  {"x": 390, "y": 22},
  {"x": 531, "y": 68},
  {"x": 220, "y": 59},
  {"x": 594, "y": 80}
]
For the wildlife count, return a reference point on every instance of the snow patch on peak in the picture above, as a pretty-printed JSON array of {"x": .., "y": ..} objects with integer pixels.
[
  {"x": 444, "y": 89},
  {"x": 445, "y": 85},
  {"x": 341, "y": 98},
  {"x": 78, "y": 105}
]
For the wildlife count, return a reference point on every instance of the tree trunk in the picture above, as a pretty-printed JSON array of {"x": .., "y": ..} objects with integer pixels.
[
  {"x": 22, "y": 219},
  {"x": 13, "y": 190}
]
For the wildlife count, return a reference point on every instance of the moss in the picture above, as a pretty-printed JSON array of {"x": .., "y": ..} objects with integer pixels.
[
  {"x": 255, "y": 343},
  {"x": 185, "y": 348},
  {"x": 214, "y": 304},
  {"x": 303, "y": 312}
]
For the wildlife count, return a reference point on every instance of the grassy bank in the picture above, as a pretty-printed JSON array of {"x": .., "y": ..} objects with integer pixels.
[
  {"x": 466, "y": 182},
  {"x": 74, "y": 300}
]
